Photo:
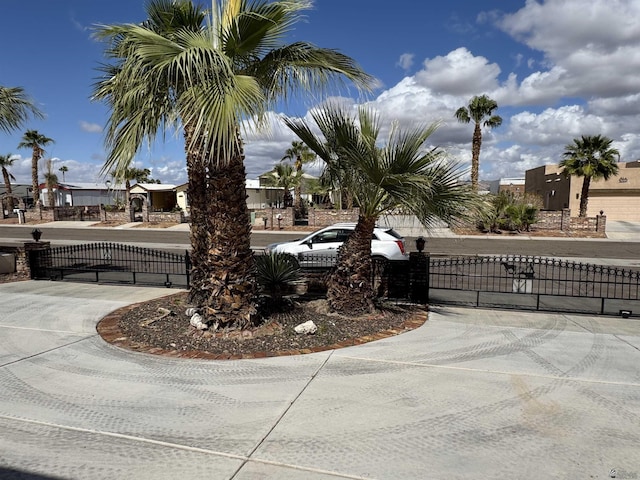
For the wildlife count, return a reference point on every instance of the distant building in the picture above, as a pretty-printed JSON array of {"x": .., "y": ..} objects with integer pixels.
[
  {"x": 161, "y": 197},
  {"x": 617, "y": 197},
  {"x": 82, "y": 194}
]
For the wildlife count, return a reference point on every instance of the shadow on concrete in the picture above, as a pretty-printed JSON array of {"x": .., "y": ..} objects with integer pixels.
[{"x": 11, "y": 474}]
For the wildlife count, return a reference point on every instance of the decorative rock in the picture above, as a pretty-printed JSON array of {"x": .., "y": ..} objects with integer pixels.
[
  {"x": 307, "y": 328},
  {"x": 191, "y": 311},
  {"x": 196, "y": 321}
]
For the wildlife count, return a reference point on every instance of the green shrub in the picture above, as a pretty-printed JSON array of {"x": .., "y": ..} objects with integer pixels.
[{"x": 276, "y": 274}]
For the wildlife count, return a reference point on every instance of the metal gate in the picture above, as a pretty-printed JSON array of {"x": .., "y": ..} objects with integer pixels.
[
  {"x": 535, "y": 283},
  {"x": 111, "y": 263}
]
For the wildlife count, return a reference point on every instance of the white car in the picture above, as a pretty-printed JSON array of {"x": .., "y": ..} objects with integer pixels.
[{"x": 320, "y": 249}]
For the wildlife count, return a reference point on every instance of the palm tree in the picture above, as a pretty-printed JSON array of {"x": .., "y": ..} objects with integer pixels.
[
  {"x": 480, "y": 110},
  {"x": 51, "y": 181},
  {"x": 140, "y": 175},
  {"x": 400, "y": 174},
  {"x": 590, "y": 157},
  {"x": 64, "y": 169},
  {"x": 285, "y": 177},
  {"x": 35, "y": 141},
  {"x": 15, "y": 108},
  {"x": 6, "y": 161},
  {"x": 299, "y": 154},
  {"x": 204, "y": 72}
]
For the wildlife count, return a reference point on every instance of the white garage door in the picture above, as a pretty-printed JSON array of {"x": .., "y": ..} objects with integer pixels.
[{"x": 625, "y": 208}]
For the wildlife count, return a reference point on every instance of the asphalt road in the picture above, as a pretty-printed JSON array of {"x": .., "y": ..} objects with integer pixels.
[{"x": 179, "y": 240}]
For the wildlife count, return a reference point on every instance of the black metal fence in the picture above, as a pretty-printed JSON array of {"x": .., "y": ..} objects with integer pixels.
[
  {"x": 111, "y": 263},
  {"x": 535, "y": 283},
  {"x": 509, "y": 281}
]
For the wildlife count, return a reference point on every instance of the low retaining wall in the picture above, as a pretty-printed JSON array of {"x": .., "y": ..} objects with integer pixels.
[
  {"x": 317, "y": 217},
  {"x": 563, "y": 221}
]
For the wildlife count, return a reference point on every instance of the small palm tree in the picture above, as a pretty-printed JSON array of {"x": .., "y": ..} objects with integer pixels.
[
  {"x": 590, "y": 157},
  {"x": 285, "y": 177},
  {"x": 203, "y": 73},
  {"x": 15, "y": 108},
  {"x": 401, "y": 174},
  {"x": 480, "y": 110},
  {"x": 299, "y": 154},
  {"x": 6, "y": 162},
  {"x": 275, "y": 273},
  {"x": 51, "y": 181},
  {"x": 64, "y": 169},
  {"x": 35, "y": 141}
]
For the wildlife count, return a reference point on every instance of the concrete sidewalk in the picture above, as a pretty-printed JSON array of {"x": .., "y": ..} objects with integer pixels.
[{"x": 471, "y": 394}]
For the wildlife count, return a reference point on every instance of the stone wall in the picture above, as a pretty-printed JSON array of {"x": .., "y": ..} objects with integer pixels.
[
  {"x": 563, "y": 221},
  {"x": 319, "y": 217},
  {"x": 165, "y": 217},
  {"x": 22, "y": 268},
  {"x": 285, "y": 215},
  {"x": 38, "y": 214}
]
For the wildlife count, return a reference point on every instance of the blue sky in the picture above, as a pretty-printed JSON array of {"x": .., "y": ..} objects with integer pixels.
[{"x": 557, "y": 68}]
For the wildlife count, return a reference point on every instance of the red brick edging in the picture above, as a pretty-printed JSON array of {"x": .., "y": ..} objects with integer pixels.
[{"x": 110, "y": 332}]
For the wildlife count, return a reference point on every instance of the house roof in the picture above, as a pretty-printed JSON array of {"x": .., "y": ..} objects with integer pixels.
[
  {"x": 84, "y": 186},
  {"x": 155, "y": 187}
]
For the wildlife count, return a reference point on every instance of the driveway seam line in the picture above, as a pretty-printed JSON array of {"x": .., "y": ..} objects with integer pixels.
[
  {"x": 281, "y": 416},
  {"x": 47, "y": 351}
]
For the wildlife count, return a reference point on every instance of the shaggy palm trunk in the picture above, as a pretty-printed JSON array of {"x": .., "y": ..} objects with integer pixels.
[
  {"x": 50, "y": 197},
  {"x": 222, "y": 274},
  {"x": 475, "y": 156},
  {"x": 584, "y": 196},
  {"x": 230, "y": 267},
  {"x": 350, "y": 290},
  {"x": 299, "y": 211},
  {"x": 35, "y": 157},
  {"x": 8, "y": 202}
]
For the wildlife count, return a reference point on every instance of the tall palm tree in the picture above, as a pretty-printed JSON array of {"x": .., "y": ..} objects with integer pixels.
[
  {"x": 400, "y": 174},
  {"x": 6, "y": 162},
  {"x": 64, "y": 169},
  {"x": 15, "y": 108},
  {"x": 299, "y": 154},
  {"x": 590, "y": 157},
  {"x": 35, "y": 141},
  {"x": 480, "y": 110},
  {"x": 140, "y": 175},
  {"x": 284, "y": 176},
  {"x": 204, "y": 72},
  {"x": 51, "y": 181}
]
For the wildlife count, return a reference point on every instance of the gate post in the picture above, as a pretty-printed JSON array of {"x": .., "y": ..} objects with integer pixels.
[
  {"x": 419, "y": 277},
  {"x": 38, "y": 258}
]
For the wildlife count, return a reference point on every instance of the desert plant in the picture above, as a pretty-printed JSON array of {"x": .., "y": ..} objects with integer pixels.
[
  {"x": 276, "y": 273},
  {"x": 506, "y": 211}
]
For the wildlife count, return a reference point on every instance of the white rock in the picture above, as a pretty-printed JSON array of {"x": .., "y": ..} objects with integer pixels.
[
  {"x": 196, "y": 322},
  {"x": 306, "y": 328},
  {"x": 190, "y": 311}
]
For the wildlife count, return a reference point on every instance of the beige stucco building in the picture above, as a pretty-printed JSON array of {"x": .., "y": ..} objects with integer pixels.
[{"x": 618, "y": 197}]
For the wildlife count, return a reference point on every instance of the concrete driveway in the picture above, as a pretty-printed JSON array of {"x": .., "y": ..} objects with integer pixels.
[{"x": 472, "y": 394}]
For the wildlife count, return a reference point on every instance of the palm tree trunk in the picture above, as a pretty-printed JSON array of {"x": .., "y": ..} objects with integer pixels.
[
  {"x": 584, "y": 196},
  {"x": 7, "y": 185},
  {"x": 35, "y": 157},
  {"x": 475, "y": 156},
  {"x": 7, "y": 180},
  {"x": 349, "y": 288},
  {"x": 230, "y": 267},
  {"x": 199, "y": 230},
  {"x": 50, "y": 196},
  {"x": 222, "y": 274}
]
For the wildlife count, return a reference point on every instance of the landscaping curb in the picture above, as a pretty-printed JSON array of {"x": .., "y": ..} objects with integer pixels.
[{"x": 111, "y": 333}]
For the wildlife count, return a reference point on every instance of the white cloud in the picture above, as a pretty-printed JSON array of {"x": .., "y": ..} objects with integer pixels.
[
  {"x": 459, "y": 73},
  {"x": 90, "y": 127},
  {"x": 405, "y": 61}
]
